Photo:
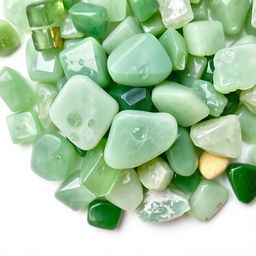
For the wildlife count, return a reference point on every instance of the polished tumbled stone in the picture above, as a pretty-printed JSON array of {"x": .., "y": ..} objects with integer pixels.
[
  {"x": 68, "y": 30},
  {"x": 200, "y": 11},
  {"x": 69, "y": 3},
  {"x": 233, "y": 102},
  {"x": 72, "y": 42},
  {"x": 248, "y": 98},
  {"x": 61, "y": 83},
  {"x": 249, "y": 39}
]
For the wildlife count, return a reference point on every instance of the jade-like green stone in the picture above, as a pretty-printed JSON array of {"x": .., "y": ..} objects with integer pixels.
[
  {"x": 15, "y": 91},
  {"x": 96, "y": 175},
  {"x": 80, "y": 151},
  {"x": 182, "y": 102},
  {"x": 61, "y": 83},
  {"x": 200, "y": 11},
  {"x": 9, "y": 39},
  {"x": 69, "y": 3},
  {"x": 87, "y": 58},
  {"x": 249, "y": 39},
  {"x": 207, "y": 199},
  {"x": 232, "y": 14},
  {"x": 72, "y": 42},
  {"x": 43, "y": 66},
  {"x": 68, "y": 29},
  {"x": 176, "y": 47},
  {"x": 83, "y": 112},
  {"x": 233, "y": 102},
  {"x": 137, "y": 137},
  {"x": 131, "y": 64},
  {"x": 251, "y": 156},
  {"x": 248, "y": 25},
  {"x": 220, "y": 136},
  {"x": 127, "y": 192},
  {"x": 195, "y": 1},
  {"x": 248, "y": 98},
  {"x": 208, "y": 74},
  {"x": 73, "y": 194},
  {"x": 230, "y": 74},
  {"x": 52, "y": 157},
  {"x": 182, "y": 155},
  {"x": 103, "y": 214}
]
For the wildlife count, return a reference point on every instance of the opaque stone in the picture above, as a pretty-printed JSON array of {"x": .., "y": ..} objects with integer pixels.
[
  {"x": 103, "y": 214},
  {"x": 175, "y": 13},
  {"x": 127, "y": 192},
  {"x": 232, "y": 14},
  {"x": 243, "y": 181},
  {"x": 131, "y": 64},
  {"x": 73, "y": 194},
  {"x": 83, "y": 112},
  {"x": 249, "y": 39},
  {"x": 87, "y": 58},
  {"x": 251, "y": 156},
  {"x": 176, "y": 47},
  {"x": 68, "y": 30},
  {"x": 72, "y": 42},
  {"x": 14, "y": 90},
  {"x": 200, "y": 11},
  {"x": 9, "y": 39},
  {"x": 207, "y": 199},
  {"x": 233, "y": 102},
  {"x": 182, "y": 155},
  {"x": 52, "y": 157},
  {"x": 248, "y": 98},
  {"x": 219, "y": 136},
  {"x": 43, "y": 66},
  {"x": 180, "y": 101},
  {"x": 137, "y": 137}
]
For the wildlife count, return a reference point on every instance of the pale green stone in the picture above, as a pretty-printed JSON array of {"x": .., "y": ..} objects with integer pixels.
[
  {"x": 155, "y": 174},
  {"x": 207, "y": 199},
  {"x": 68, "y": 30},
  {"x": 72, "y": 42},
  {"x": 127, "y": 192},
  {"x": 83, "y": 112},
  {"x": 219, "y": 136},
  {"x": 253, "y": 20},
  {"x": 249, "y": 39},
  {"x": 248, "y": 98},
  {"x": 182, "y": 102},
  {"x": 251, "y": 157},
  {"x": 200, "y": 11},
  {"x": 137, "y": 137}
]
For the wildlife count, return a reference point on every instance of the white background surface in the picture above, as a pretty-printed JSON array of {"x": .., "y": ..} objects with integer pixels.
[{"x": 34, "y": 223}]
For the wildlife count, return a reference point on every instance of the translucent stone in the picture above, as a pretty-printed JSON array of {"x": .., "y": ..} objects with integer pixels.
[
  {"x": 127, "y": 192},
  {"x": 219, "y": 136},
  {"x": 208, "y": 74},
  {"x": 69, "y": 3},
  {"x": 251, "y": 157},
  {"x": 72, "y": 42},
  {"x": 175, "y": 13},
  {"x": 83, "y": 112},
  {"x": 200, "y": 11},
  {"x": 68, "y": 30},
  {"x": 249, "y": 39},
  {"x": 248, "y": 98},
  {"x": 61, "y": 83},
  {"x": 137, "y": 137},
  {"x": 248, "y": 25}
]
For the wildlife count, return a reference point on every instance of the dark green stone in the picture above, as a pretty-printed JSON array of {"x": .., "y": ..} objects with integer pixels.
[
  {"x": 80, "y": 152},
  {"x": 69, "y": 3},
  {"x": 208, "y": 74},
  {"x": 248, "y": 26},
  {"x": 233, "y": 102}
]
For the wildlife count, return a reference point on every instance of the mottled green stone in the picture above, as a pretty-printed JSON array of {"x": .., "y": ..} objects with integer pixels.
[
  {"x": 154, "y": 25},
  {"x": 61, "y": 83},
  {"x": 200, "y": 11},
  {"x": 68, "y": 29},
  {"x": 248, "y": 98},
  {"x": 233, "y": 102}
]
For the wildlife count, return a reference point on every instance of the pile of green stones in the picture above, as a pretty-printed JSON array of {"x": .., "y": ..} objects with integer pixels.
[{"x": 138, "y": 104}]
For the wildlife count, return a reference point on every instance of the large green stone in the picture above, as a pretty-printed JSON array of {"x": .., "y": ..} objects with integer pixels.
[
  {"x": 68, "y": 30},
  {"x": 248, "y": 98}
]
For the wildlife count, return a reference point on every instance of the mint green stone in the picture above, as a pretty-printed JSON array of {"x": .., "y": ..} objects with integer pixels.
[
  {"x": 248, "y": 25},
  {"x": 127, "y": 192},
  {"x": 131, "y": 64},
  {"x": 180, "y": 101},
  {"x": 207, "y": 199},
  {"x": 72, "y": 42},
  {"x": 200, "y": 11},
  {"x": 96, "y": 175},
  {"x": 137, "y": 137},
  {"x": 61, "y": 83},
  {"x": 175, "y": 45},
  {"x": 68, "y": 30},
  {"x": 15, "y": 91},
  {"x": 69, "y": 3},
  {"x": 182, "y": 155},
  {"x": 249, "y": 39},
  {"x": 248, "y": 98},
  {"x": 43, "y": 66},
  {"x": 87, "y": 58},
  {"x": 73, "y": 194},
  {"x": 154, "y": 25},
  {"x": 83, "y": 112},
  {"x": 195, "y": 1},
  {"x": 251, "y": 157}
]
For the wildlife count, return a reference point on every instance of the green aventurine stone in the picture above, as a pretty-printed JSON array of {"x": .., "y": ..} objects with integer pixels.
[
  {"x": 233, "y": 102},
  {"x": 103, "y": 214},
  {"x": 52, "y": 157},
  {"x": 220, "y": 136},
  {"x": 176, "y": 47},
  {"x": 137, "y": 137},
  {"x": 73, "y": 194},
  {"x": 200, "y": 11},
  {"x": 248, "y": 98},
  {"x": 69, "y": 3},
  {"x": 208, "y": 74},
  {"x": 15, "y": 91},
  {"x": 96, "y": 175},
  {"x": 68, "y": 30},
  {"x": 43, "y": 66},
  {"x": 182, "y": 102},
  {"x": 9, "y": 39},
  {"x": 248, "y": 26},
  {"x": 207, "y": 199},
  {"x": 127, "y": 192},
  {"x": 83, "y": 112},
  {"x": 232, "y": 14},
  {"x": 61, "y": 83},
  {"x": 204, "y": 38},
  {"x": 182, "y": 155},
  {"x": 24, "y": 127},
  {"x": 131, "y": 64},
  {"x": 87, "y": 58},
  {"x": 162, "y": 206},
  {"x": 230, "y": 74}
]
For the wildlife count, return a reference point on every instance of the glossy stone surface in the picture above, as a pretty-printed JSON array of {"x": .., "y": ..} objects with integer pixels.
[
  {"x": 127, "y": 192},
  {"x": 87, "y": 58},
  {"x": 208, "y": 74},
  {"x": 52, "y": 157},
  {"x": 137, "y": 137},
  {"x": 61, "y": 83},
  {"x": 251, "y": 156},
  {"x": 182, "y": 155},
  {"x": 15, "y": 91},
  {"x": 243, "y": 181},
  {"x": 69, "y": 3},
  {"x": 83, "y": 112},
  {"x": 72, "y": 42},
  {"x": 180, "y": 101},
  {"x": 200, "y": 11},
  {"x": 248, "y": 98},
  {"x": 73, "y": 194},
  {"x": 219, "y": 136},
  {"x": 249, "y": 39},
  {"x": 233, "y": 102},
  {"x": 68, "y": 29},
  {"x": 130, "y": 63},
  {"x": 207, "y": 199}
]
